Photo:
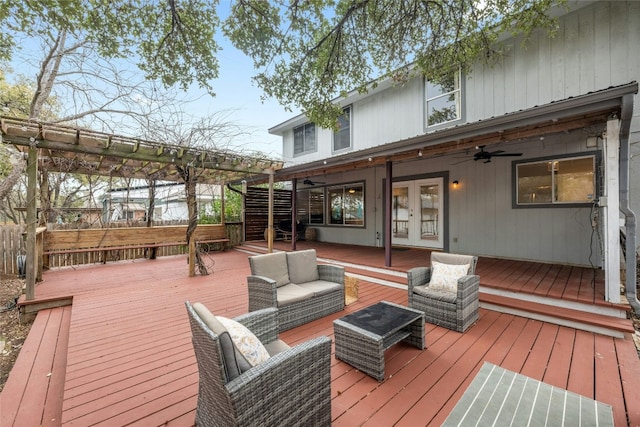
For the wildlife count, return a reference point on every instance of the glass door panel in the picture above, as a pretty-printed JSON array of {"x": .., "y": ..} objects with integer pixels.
[
  {"x": 417, "y": 213},
  {"x": 400, "y": 214}
]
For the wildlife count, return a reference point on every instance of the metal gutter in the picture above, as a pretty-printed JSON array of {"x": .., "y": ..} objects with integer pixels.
[{"x": 629, "y": 215}]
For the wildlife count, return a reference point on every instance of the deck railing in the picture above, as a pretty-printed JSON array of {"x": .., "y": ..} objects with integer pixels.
[{"x": 89, "y": 246}]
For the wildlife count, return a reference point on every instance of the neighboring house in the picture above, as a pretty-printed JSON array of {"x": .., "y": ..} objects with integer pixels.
[
  {"x": 558, "y": 116},
  {"x": 131, "y": 204}
]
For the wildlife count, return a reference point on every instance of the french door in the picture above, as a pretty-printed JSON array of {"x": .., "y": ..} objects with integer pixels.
[{"x": 417, "y": 213}]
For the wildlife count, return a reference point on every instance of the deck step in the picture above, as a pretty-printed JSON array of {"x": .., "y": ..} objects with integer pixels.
[
  {"x": 32, "y": 395},
  {"x": 578, "y": 319}
]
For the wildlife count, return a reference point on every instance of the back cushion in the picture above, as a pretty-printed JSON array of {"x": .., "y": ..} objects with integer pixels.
[
  {"x": 303, "y": 266},
  {"x": 231, "y": 362},
  {"x": 454, "y": 259},
  {"x": 273, "y": 266}
]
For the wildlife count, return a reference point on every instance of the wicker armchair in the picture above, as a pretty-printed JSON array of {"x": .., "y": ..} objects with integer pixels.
[
  {"x": 292, "y": 387},
  {"x": 453, "y": 310}
]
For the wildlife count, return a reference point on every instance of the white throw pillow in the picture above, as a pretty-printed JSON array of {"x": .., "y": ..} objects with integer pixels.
[
  {"x": 245, "y": 341},
  {"x": 445, "y": 276}
]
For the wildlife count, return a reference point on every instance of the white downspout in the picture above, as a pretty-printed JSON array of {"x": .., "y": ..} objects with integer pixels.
[
  {"x": 610, "y": 204},
  {"x": 629, "y": 215}
]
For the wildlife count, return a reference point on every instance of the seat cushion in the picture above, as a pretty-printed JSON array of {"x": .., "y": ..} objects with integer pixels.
[
  {"x": 321, "y": 287},
  {"x": 291, "y": 293},
  {"x": 273, "y": 266},
  {"x": 303, "y": 266},
  {"x": 277, "y": 346},
  {"x": 435, "y": 294},
  {"x": 445, "y": 276},
  {"x": 245, "y": 341}
]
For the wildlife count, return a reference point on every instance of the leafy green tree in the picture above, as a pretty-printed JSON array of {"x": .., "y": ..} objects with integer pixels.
[
  {"x": 310, "y": 52},
  {"x": 172, "y": 39}
]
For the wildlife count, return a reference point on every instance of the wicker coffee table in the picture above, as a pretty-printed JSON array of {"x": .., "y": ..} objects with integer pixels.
[{"x": 362, "y": 337}]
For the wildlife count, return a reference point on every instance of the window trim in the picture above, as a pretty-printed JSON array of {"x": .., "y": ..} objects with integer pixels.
[
  {"x": 460, "y": 107},
  {"x": 333, "y": 134},
  {"x": 597, "y": 156},
  {"x": 315, "y": 142},
  {"x": 319, "y": 189},
  {"x": 344, "y": 186}
]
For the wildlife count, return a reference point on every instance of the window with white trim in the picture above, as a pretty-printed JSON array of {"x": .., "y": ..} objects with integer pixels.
[
  {"x": 444, "y": 99},
  {"x": 304, "y": 139}
]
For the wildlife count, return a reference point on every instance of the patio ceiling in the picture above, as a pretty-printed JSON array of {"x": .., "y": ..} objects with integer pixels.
[
  {"x": 585, "y": 111},
  {"x": 74, "y": 150}
]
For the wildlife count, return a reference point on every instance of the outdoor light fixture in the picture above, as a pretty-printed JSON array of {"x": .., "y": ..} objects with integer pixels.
[
  {"x": 455, "y": 183},
  {"x": 419, "y": 153}
]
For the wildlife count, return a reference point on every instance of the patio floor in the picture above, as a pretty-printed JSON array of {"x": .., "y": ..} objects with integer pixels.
[{"x": 129, "y": 359}]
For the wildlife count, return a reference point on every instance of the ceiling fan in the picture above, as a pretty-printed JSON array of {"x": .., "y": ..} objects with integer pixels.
[
  {"x": 486, "y": 156},
  {"x": 309, "y": 182}
]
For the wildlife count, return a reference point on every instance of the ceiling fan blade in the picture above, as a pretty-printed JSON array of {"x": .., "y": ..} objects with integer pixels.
[{"x": 507, "y": 154}]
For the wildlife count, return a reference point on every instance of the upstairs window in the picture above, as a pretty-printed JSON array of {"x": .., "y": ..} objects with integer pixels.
[
  {"x": 558, "y": 181},
  {"x": 304, "y": 139},
  {"x": 342, "y": 137},
  {"x": 443, "y": 100}
]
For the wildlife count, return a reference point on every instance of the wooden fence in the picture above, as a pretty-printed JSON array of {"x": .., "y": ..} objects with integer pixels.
[
  {"x": 12, "y": 245},
  {"x": 74, "y": 246}
]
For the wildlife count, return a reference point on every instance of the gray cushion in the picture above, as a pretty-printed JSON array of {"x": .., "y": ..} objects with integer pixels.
[
  {"x": 273, "y": 266},
  {"x": 303, "y": 266},
  {"x": 234, "y": 362},
  {"x": 291, "y": 293},
  {"x": 321, "y": 287},
  {"x": 436, "y": 294},
  {"x": 277, "y": 346}
]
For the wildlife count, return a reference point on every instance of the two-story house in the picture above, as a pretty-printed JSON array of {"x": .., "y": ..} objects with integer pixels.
[
  {"x": 170, "y": 204},
  {"x": 534, "y": 158}
]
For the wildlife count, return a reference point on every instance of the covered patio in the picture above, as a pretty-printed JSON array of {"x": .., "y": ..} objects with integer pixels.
[{"x": 121, "y": 354}]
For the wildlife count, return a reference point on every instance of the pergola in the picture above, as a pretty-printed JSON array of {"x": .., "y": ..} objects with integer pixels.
[{"x": 56, "y": 148}]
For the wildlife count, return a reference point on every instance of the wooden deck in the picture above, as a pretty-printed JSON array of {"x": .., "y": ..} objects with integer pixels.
[{"x": 129, "y": 359}]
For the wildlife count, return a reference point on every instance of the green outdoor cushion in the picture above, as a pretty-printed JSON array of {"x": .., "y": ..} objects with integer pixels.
[
  {"x": 273, "y": 266},
  {"x": 303, "y": 266}
]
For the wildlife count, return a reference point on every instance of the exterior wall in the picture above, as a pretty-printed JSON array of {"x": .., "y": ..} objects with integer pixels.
[
  {"x": 482, "y": 220},
  {"x": 595, "y": 48}
]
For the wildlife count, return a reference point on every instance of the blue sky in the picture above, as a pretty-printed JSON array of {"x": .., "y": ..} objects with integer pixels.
[{"x": 236, "y": 92}]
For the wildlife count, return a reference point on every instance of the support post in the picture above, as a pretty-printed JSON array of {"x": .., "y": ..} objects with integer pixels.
[
  {"x": 388, "y": 192},
  {"x": 610, "y": 205},
  {"x": 270, "y": 216},
  {"x": 32, "y": 213},
  {"x": 294, "y": 216}
]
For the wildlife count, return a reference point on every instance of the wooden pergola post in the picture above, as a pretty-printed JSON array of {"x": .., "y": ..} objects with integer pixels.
[
  {"x": 270, "y": 216},
  {"x": 32, "y": 213}
]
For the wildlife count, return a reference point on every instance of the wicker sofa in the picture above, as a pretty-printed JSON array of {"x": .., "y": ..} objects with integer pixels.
[
  {"x": 291, "y": 387},
  {"x": 297, "y": 285}
]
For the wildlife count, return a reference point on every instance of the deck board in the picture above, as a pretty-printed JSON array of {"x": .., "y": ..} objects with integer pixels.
[{"x": 130, "y": 358}]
